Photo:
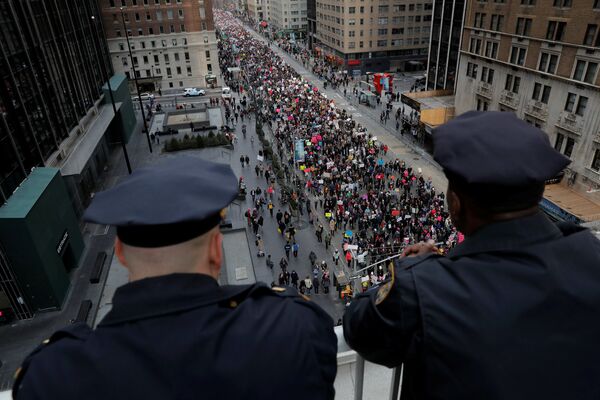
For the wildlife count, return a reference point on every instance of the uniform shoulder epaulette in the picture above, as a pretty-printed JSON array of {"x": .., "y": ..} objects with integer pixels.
[
  {"x": 410, "y": 262},
  {"x": 79, "y": 331}
]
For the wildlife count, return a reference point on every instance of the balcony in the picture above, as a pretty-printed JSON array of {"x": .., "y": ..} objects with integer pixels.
[
  {"x": 484, "y": 89},
  {"x": 359, "y": 379},
  {"x": 570, "y": 122},
  {"x": 509, "y": 99},
  {"x": 538, "y": 110}
]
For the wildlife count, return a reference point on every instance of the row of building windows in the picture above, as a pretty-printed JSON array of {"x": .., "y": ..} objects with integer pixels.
[
  {"x": 382, "y": 9},
  {"x": 575, "y": 103},
  {"x": 583, "y": 70},
  {"x": 563, "y": 143},
  {"x": 154, "y": 43},
  {"x": 555, "y": 30},
  {"x": 158, "y": 16},
  {"x": 380, "y": 20}
]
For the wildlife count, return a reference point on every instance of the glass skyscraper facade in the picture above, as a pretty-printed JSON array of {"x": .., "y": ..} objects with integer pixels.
[
  {"x": 444, "y": 48},
  {"x": 53, "y": 61}
]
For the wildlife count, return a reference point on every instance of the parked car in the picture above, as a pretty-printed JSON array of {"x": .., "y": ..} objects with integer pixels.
[
  {"x": 193, "y": 92},
  {"x": 145, "y": 96}
]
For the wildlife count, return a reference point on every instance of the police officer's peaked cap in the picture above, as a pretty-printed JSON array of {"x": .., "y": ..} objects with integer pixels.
[
  {"x": 496, "y": 148},
  {"x": 167, "y": 203}
]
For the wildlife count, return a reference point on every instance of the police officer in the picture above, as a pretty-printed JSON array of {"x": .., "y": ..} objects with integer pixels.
[
  {"x": 173, "y": 332},
  {"x": 513, "y": 312}
]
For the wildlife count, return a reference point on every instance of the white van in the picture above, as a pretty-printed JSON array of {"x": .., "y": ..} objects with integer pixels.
[{"x": 226, "y": 93}]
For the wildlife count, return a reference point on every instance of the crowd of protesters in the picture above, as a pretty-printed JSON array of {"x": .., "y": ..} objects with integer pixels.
[{"x": 359, "y": 193}]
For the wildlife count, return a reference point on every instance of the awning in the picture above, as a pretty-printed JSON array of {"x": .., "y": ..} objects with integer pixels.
[{"x": 565, "y": 204}]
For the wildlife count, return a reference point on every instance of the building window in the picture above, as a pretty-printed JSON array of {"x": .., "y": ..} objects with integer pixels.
[
  {"x": 581, "y": 101},
  {"x": 523, "y": 26},
  {"x": 180, "y": 83},
  {"x": 517, "y": 55},
  {"x": 596, "y": 161},
  {"x": 161, "y": 29},
  {"x": 137, "y": 17},
  {"x": 166, "y": 58},
  {"x": 491, "y": 49},
  {"x": 382, "y": 32},
  {"x": 384, "y": 9},
  {"x": 479, "y": 20},
  {"x": 541, "y": 93},
  {"x": 472, "y": 70},
  {"x": 596, "y": 4},
  {"x": 558, "y": 143},
  {"x": 145, "y": 59},
  {"x": 474, "y": 46},
  {"x": 164, "y": 43},
  {"x": 569, "y": 147},
  {"x": 169, "y": 14},
  {"x": 189, "y": 70},
  {"x": 590, "y": 34},
  {"x": 156, "y": 59},
  {"x": 496, "y": 22},
  {"x": 209, "y": 67},
  {"x": 556, "y": 30},
  {"x": 383, "y": 21},
  {"x": 487, "y": 75},
  {"x": 351, "y": 21},
  {"x": 118, "y": 33},
  {"x": 351, "y": 45},
  {"x": 174, "y": 42},
  {"x": 180, "y": 13},
  {"x": 381, "y": 43},
  {"x": 548, "y": 63},
  {"x": 585, "y": 71},
  {"x": 562, "y": 3},
  {"x": 169, "y": 72},
  {"x": 178, "y": 69},
  {"x": 528, "y": 2},
  {"x": 150, "y": 31},
  {"x": 186, "y": 55},
  {"x": 512, "y": 83},
  {"x": 121, "y": 46},
  {"x": 148, "y": 16},
  {"x": 170, "y": 84},
  {"x": 482, "y": 105}
]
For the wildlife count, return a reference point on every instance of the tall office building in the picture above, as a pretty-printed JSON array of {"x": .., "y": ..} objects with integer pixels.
[
  {"x": 375, "y": 36},
  {"x": 539, "y": 59},
  {"x": 311, "y": 28},
  {"x": 288, "y": 16},
  {"x": 56, "y": 124},
  {"x": 444, "y": 46},
  {"x": 173, "y": 42}
]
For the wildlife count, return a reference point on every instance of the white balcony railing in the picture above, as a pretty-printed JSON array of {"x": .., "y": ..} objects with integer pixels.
[{"x": 359, "y": 379}]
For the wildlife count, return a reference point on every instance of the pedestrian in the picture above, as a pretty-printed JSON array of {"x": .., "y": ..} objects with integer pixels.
[
  {"x": 270, "y": 208},
  {"x": 327, "y": 241},
  {"x": 336, "y": 256},
  {"x": 295, "y": 248},
  {"x": 348, "y": 258},
  {"x": 287, "y": 249},
  {"x": 270, "y": 263},
  {"x": 247, "y": 160},
  {"x": 325, "y": 282},
  {"x": 242, "y": 159},
  {"x": 315, "y": 284},
  {"x": 257, "y": 170},
  {"x": 308, "y": 284},
  {"x": 278, "y": 216},
  {"x": 294, "y": 277},
  {"x": 319, "y": 233},
  {"x": 302, "y": 287},
  {"x": 283, "y": 263}
]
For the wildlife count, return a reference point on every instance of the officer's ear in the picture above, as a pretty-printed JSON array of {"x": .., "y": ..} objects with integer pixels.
[
  {"x": 119, "y": 252},
  {"x": 215, "y": 252}
]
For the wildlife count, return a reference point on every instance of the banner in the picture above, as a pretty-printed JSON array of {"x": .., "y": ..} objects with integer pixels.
[{"x": 299, "y": 150}]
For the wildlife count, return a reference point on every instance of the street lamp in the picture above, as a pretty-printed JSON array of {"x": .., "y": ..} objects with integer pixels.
[
  {"x": 137, "y": 88},
  {"x": 110, "y": 93}
]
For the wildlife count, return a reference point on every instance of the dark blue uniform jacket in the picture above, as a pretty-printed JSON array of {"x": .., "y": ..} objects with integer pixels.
[
  {"x": 512, "y": 313},
  {"x": 182, "y": 336}
]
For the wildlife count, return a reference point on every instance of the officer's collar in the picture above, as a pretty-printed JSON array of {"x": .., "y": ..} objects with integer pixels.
[
  {"x": 151, "y": 297},
  {"x": 511, "y": 234}
]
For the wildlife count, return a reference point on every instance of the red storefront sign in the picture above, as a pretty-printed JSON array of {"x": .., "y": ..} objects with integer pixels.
[{"x": 353, "y": 62}]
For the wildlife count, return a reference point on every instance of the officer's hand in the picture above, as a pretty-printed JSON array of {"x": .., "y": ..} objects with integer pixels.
[{"x": 420, "y": 249}]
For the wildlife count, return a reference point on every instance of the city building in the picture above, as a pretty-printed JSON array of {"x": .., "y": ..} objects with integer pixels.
[
  {"x": 311, "y": 28},
  {"x": 257, "y": 10},
  {"x": 173, "y": 42},
  {"x": 539, "y": 59},
  {"x": 288, "y": 16},
  {"x": 57, "y": 125},
  {"x": 375, "y": 36},
  {"x": 444, "y": 46}
]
